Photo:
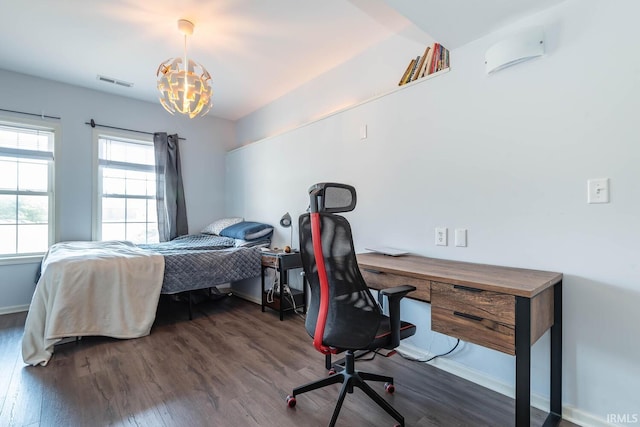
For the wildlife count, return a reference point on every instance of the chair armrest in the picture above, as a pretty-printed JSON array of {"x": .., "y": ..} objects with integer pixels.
[
  {"x": 394, "y": 295},
  {"x": 398, "y": 291}
]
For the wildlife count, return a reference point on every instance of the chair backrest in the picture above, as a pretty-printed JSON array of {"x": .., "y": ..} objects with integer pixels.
[{"x": 342, "y": 312}]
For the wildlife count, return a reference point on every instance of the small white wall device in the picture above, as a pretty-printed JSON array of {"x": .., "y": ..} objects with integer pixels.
[{"x": 514, "y": 50}]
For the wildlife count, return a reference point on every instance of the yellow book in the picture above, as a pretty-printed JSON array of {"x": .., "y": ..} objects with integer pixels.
[{"x": 406, "y": 72}]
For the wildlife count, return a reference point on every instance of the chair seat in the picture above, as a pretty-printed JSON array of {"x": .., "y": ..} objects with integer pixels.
[{"x": 383, "y": 336}]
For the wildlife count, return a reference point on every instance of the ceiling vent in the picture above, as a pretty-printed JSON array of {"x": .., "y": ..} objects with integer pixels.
[{"x": 114, "y": 81}]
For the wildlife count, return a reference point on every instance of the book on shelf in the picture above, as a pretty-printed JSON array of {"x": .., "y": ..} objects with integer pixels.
[
  {"x": 435, "y": 58},
  {"x": 413, "y": 69},
  {"x": 420, "y": 67},
  {"x": 441, "y": 59},
  {"x": 428, "y": 62},
  {"x": 403, "y": 80}
]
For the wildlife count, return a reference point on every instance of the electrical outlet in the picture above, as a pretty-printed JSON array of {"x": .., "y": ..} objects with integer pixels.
[{"x": 441, "y": 236}]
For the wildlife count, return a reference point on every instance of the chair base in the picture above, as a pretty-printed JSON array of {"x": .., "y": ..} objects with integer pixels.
[{"x": 351, "y": 378}]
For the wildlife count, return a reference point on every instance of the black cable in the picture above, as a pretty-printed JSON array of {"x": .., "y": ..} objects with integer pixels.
[
  {"x": 444, "y": 354},
  {"x": 433, "y": 357},
  {"x": 368, "y": 359},
  {"x": 375, "y": 353}
]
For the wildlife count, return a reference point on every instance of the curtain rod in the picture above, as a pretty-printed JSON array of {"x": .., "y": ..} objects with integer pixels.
[
  {"x": 43, "y": 116},
  {"x": 93, "y": 124}
]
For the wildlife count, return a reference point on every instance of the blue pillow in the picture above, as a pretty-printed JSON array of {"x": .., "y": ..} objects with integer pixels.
[{"x": 247, "y": 230}]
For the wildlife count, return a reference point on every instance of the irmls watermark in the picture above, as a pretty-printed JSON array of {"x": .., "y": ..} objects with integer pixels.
[{"x": 623, "y": 418}]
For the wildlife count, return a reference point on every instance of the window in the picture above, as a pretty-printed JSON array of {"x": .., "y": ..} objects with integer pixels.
[
  {"x": 125, "y": 207},
  {"x": 26, "y": 189}
]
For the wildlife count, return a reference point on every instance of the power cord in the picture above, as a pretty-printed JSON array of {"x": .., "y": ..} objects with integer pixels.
[
  {"x": 285, "y": 292},
  {"x": 273, "y": 289},
  {"x": 381, "y": 305},
  {"x": 433, "y": 357},
  {"x": 444, "y": 354}
]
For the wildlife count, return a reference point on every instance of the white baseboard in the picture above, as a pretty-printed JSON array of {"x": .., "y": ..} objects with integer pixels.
[
  {"x": 14, "y": 309},
  {"x": 569, "y": 413},
  {"x": 247, "y": 297}
]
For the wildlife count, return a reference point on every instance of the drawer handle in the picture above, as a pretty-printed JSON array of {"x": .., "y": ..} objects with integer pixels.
[
  {"x": 368, "y": 270},
  {"x": 467, "y": 316},
  {"x": 467, "y": 288}
]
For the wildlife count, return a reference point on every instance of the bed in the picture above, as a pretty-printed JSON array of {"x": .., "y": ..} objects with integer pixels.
[
  {"x": 112, "y": 288},
  {"x": 203, "y": 261}
]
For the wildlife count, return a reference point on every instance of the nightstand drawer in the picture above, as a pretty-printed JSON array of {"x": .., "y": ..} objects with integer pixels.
[
  {"x": 270, "y": 261},
  {"x": 282, "y": 260},
  {"x": 380, "y": 280},
  {"x": 475, "y": 302},
  {"x": 475, "y": 329}
]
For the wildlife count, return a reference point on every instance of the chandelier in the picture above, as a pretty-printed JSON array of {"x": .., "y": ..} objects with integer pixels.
[{"x": 184, "y": 85}]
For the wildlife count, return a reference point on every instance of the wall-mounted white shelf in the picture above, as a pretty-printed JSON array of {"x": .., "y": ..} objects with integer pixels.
[
  {"x": 349, "y": 107},
  {"x": 373, "y": 98}
]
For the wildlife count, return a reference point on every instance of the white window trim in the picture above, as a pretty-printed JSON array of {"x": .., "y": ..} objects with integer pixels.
[
  {"x": 54, "y": 233},
  {"x": 96, "y": 216}
]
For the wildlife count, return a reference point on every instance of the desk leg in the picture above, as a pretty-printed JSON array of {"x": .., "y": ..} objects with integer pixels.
[
  {"x": 555, "y": 413},
  {"x": 262, "y": 293},
  {"x": 523, "y": 361},
  {"x": 283, "y": 277}
]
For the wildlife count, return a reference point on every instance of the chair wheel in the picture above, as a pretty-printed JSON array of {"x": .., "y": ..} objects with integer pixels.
[
  {"x": 389, "y": 388},
  {"x": 332, "y": 371},
  {"x": 291, "y": 401}
]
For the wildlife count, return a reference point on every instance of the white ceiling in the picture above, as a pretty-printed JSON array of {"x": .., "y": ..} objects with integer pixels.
[{"x": 256, "y": 51}]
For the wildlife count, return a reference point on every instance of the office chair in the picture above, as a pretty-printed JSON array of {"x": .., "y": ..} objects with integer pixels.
[{"x": 343, "y": 316}]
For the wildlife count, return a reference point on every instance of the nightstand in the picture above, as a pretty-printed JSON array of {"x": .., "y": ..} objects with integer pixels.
[{"x": 282, "y": 263}]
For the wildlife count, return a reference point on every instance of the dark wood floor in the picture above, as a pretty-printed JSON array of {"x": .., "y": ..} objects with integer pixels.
[{"x": 232, "y": 365}]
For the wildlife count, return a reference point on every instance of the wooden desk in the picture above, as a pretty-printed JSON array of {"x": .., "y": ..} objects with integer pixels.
[{"x": 503, "y": 308}]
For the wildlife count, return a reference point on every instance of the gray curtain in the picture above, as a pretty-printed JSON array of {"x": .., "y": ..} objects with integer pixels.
[{"x": 172, "y": 211}]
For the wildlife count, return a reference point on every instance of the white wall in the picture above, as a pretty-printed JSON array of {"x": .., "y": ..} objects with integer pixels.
[
  {"x": 506, "y": 156},
  {"x": 376, "y": 70},
  {"x": 203, "y": 158}
]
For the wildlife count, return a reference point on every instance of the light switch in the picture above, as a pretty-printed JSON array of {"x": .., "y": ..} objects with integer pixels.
[
  {"x": 461, "y": 237},
  {"x": 363, "y": 132},
  {"x": 598, "y": 190}
]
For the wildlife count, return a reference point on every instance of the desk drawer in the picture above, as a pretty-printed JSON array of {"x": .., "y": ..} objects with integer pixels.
[
  {"x": 476, "y": 302},
  {"x": 381, "y": 280},
  {"x": 478, "y": 330}
]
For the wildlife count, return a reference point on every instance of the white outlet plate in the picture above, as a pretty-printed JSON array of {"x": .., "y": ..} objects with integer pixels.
[
  {"x": 598, "y": 190},
  {"x": 441, "y": 236}
]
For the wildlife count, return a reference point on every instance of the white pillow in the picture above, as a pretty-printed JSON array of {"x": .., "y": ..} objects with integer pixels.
[{"x": 217, "y": 226}]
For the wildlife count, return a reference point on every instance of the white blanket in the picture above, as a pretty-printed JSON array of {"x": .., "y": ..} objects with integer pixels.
[{"x": 92, "y": 288}]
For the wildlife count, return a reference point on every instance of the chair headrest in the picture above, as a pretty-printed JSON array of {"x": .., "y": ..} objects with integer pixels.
[{"x": 332, "y": 197}]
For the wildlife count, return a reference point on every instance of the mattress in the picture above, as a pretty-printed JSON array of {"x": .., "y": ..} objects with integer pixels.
[{"x": 202, "y": 261}]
